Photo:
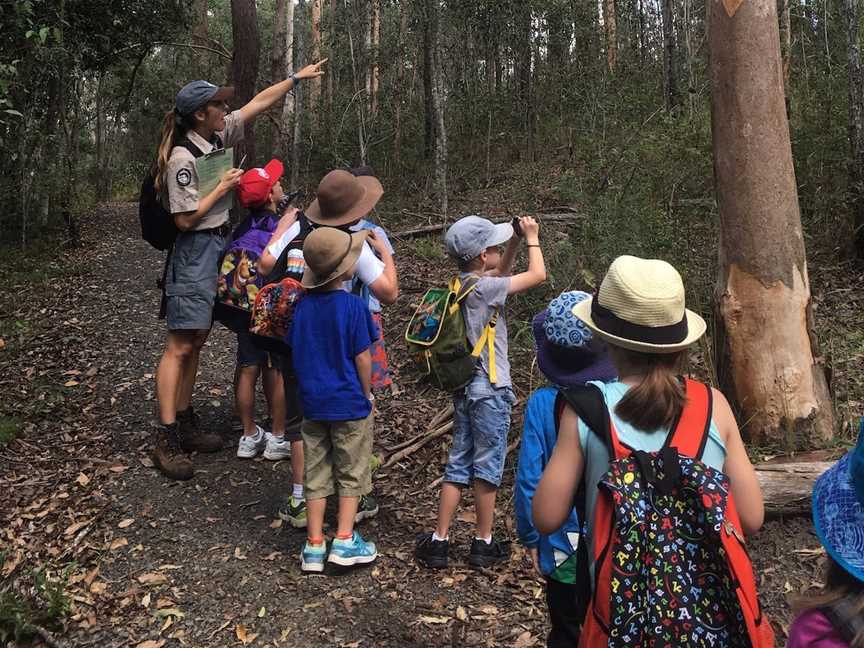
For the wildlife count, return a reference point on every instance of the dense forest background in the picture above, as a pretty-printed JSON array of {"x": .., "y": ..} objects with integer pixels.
[{"x": 598, "y": 109}]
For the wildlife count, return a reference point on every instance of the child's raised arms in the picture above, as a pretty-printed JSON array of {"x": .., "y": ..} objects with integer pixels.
[{"x": 536, "y": 272}]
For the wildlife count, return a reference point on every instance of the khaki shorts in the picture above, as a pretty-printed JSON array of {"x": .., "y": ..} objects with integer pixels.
[{"x": 337, "y": 454}]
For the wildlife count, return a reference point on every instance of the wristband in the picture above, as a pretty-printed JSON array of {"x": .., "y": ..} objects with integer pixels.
[
  {"x": 295, "y": 79},
  {"x": 533, "y": 245}
]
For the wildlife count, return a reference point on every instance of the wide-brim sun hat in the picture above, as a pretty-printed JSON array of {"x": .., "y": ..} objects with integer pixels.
[
  {"x": 568, "y": 353},
  {"x": 640, "y": 307},
  {"x": 344, "y": 198},
  {"x": 330, "y": 253},
  {"x": 838, "y": 510}
]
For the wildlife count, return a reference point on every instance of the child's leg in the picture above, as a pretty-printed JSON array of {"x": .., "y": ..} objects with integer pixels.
[
  {"x": 275, "y": 395},
  {"x": 458, "y": 472},
  {"x": 293, "y": 417},
  {"x": 352, "y": 449},
  {"x": 245, "y": 397},
  {"x": 562, "y": 603},
  {"x": 489, "y": 410},
  {"x": 318, "y": 448}
]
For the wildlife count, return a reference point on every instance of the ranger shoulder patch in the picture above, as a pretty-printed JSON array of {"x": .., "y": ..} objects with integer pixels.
[{"x": 184, "y": 177}]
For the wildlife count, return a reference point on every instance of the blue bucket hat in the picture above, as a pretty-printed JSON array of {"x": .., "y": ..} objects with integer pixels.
[
  {"x": 838, "y": 510},
  {"x": 568, "y": 353}
]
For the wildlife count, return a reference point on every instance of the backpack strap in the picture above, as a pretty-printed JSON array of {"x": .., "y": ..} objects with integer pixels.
[
  {"x": 192, "y": 148},
  {"x": 690, "y": 433},
  {"x": 588, "y": 403}
]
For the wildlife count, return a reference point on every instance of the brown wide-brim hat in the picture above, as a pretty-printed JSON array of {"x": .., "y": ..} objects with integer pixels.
[
  {"x": 330, "y": 253},
  {"x": 344, "y": 198}
]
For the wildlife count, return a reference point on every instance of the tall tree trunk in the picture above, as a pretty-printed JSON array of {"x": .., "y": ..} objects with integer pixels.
[
  {"x": 314, "y": 89},
  {"x": 101, "y": 139},
  {"x": 525, "y": 52},
  {"x": 610, "y": 27},
  {"x": 299, "y": 91},
  {"x": 375, "y": 42},
  {"x": 288, "y": 112},
  {"x": 670, "y": 90},
  {"x": 767, "y": 355},
  {"x": 400, "y": 80},
  {"x": 331, "y": 49},
  {"x": 200, "y": 32},
  {"x": 786, "y": 39},
  {"x": 277, "y": 52},
  {"x": 439, "y": 101},
  {"x": 244, "y": 66},
  {"x": 428, "y": 82},
  {"x": 856, "y": 124}
]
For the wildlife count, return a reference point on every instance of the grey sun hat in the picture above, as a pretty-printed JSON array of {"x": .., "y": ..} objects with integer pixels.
[
  {"x": 469, "y": 236},
  {"x": 195, "y": 94}
]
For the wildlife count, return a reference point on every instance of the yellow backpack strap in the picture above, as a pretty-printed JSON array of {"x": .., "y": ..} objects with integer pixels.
[
  {"x": 461, "y": 292},
  {"x": 488, "y": 339}
]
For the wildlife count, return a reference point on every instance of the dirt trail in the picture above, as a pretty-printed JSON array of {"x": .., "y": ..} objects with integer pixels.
[{"x": 203, "y": 563}]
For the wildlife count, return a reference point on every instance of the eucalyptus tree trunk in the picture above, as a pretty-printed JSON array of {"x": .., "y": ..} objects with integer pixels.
[
  {"x": 611, "y": 29},
  {"x": 314, "y": 88},
  {"x": 374, "y": 46},
  {"x": 281, "y": 64},
  {"x": 670, "y": 88},
  {"x": 439, "y": 101},
  {"x": 244, "y": 67},
  {"x": 856, "y": 123},
  {"x": 298, "y": 95},
  {"x": 767, "y": 356}
]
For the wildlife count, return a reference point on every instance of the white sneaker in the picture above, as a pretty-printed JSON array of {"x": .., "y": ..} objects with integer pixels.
[
  {"x": 277, "y": 448},
  {"x": 250, "y": 446}
]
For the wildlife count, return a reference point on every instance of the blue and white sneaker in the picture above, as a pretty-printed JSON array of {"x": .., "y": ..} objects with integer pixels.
[
  {"x": 355, "y": 551},
  {"x": 312, "y": 557}
]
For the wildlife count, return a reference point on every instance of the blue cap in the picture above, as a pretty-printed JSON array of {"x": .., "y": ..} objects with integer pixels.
[
  {"x": 469, "y": 236},
  {"x": 838, "y": 510},
  {"x": 195, "y": 94}
]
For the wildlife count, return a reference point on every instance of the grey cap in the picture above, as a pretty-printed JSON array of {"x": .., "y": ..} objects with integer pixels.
[
  {"x": 195, "y": 94},
  {"x": 469, "y": 236}
]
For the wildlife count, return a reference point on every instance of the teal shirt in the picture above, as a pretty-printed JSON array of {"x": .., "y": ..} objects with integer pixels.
[{"x": 597, "y": 458}]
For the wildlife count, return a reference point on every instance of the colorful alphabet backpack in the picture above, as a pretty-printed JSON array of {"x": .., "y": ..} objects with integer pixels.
[
  {"x": 671, "y": 568},
  {"x": 437, "y": 339},
  {"x": 281, "y": 290},
  {"x": 239, "y": 282}
]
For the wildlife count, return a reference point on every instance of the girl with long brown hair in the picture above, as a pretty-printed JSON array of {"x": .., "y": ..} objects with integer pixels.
[{"x": 199, "y": 123}]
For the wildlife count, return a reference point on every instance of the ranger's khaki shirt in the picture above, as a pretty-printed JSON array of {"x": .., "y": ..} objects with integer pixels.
[{"x": 181, "y": 176}]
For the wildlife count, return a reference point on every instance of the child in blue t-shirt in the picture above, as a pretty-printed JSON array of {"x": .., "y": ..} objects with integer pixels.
[
  {"x": 331, "y": 334},
  {"x": 568, "y": 355}
]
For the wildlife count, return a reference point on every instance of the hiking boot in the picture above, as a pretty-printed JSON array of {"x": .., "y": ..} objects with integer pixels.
[
  {"x": 192, "y": 437},
  {"x": 249, "y": 446},
  {"x": 368, "y": 508},
  {"x": 484, "y": 554},
  {"x": 168, "y": 457},
  {"x": 431, "y": 552},
  {"x": 352, "y": 552},
  {"x": 276, "y": 448},
  {"x": 294, "y": 512},
  {"x": 312, "y": 557}
]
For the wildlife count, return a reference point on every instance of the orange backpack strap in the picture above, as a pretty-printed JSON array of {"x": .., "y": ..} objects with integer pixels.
[{"x": 691, "y": 431}]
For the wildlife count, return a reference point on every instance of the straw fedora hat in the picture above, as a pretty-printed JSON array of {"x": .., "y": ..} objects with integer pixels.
[
  {"x": 344, "y": 198},
  {"x": 330, "y": 253},
  {"x": 640, "y": 306}
]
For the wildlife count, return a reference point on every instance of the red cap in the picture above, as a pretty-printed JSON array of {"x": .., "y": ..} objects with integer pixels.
[{"x": 255, "y": 184}]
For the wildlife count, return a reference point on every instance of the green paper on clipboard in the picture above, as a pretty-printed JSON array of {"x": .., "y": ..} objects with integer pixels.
[{"x": 211, "y": 168}]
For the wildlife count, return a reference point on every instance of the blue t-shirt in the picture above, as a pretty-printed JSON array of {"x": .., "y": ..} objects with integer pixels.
[{"x": 329, "y": 329}]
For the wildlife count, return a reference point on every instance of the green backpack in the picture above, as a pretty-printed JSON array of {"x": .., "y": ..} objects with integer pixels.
[{"x": 437, "y": 340}]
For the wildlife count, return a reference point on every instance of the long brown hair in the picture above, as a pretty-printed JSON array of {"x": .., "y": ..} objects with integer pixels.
[
  {"x": 659, "y": 398},
  {"x": 174, "y": 128},
  {"x": 839, "y": 584}
]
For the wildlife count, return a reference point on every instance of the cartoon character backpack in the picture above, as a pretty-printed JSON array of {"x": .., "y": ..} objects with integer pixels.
[
  {"x": 238, "y": 283},
  {"x": 671, "y": 567},
  {"x": 437, "y": 338},
  {"x": 274, "y": 304}
]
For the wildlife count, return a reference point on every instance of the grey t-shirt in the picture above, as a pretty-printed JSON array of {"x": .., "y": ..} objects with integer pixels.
[{"x": 489, "y": 294}]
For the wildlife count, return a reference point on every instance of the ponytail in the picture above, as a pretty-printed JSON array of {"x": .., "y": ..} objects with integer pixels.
[
  {"x": 658, "y": 400},
  {"x": 174, "y": 128}
]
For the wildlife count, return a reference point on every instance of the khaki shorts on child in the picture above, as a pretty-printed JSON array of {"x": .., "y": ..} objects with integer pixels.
[{"x": 336, "y": 454}]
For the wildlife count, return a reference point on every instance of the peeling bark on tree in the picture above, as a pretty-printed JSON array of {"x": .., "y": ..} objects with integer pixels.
[
  {"x": 611, "y": 29},
  {"x": 766, "y": 359}
]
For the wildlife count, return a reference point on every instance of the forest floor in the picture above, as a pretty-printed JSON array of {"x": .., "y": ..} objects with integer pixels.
[{"x": 148, "y": 563}]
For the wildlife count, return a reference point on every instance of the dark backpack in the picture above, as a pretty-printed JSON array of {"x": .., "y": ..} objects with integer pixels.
[
  {"x": 670, "y": 566},
  {"x": 157, "y": 223}
]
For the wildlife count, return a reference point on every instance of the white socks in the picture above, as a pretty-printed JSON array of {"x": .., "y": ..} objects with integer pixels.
[
  {"x": 486, "y": 540},
  {"x": 298, "y": 492},
  {"x": 438, "y": 538}
]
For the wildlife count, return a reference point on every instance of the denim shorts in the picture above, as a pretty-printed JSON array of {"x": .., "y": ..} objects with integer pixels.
[
  {"x": 249, "y": 355},
  {"x": 481, "y": 422}
]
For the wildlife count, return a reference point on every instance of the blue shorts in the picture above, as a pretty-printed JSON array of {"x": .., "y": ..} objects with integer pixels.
[
  {"x": 481, "y": 422},
  {"x": 249, "y": 355}
]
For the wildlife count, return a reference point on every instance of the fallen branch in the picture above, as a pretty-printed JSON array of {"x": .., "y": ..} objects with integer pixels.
[
  {"x": 46, "y": 636},
  {"x": 788, "y": 487},
  {"x": 434, "y": 229},
  {"x": 437, "y": 421},
  {"x": 407, "y": 452}
]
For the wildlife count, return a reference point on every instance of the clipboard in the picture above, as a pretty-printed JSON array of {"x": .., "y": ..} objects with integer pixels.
[{"x": 211, "y": 168}]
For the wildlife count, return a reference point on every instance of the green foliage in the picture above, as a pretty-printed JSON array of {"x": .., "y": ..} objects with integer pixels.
[
  {"x": 10, "y": 427},
  {"x": 46, "y": 604}
]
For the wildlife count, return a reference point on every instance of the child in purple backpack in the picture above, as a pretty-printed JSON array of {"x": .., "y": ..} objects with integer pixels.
[{"x": 835, "y": 617}]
